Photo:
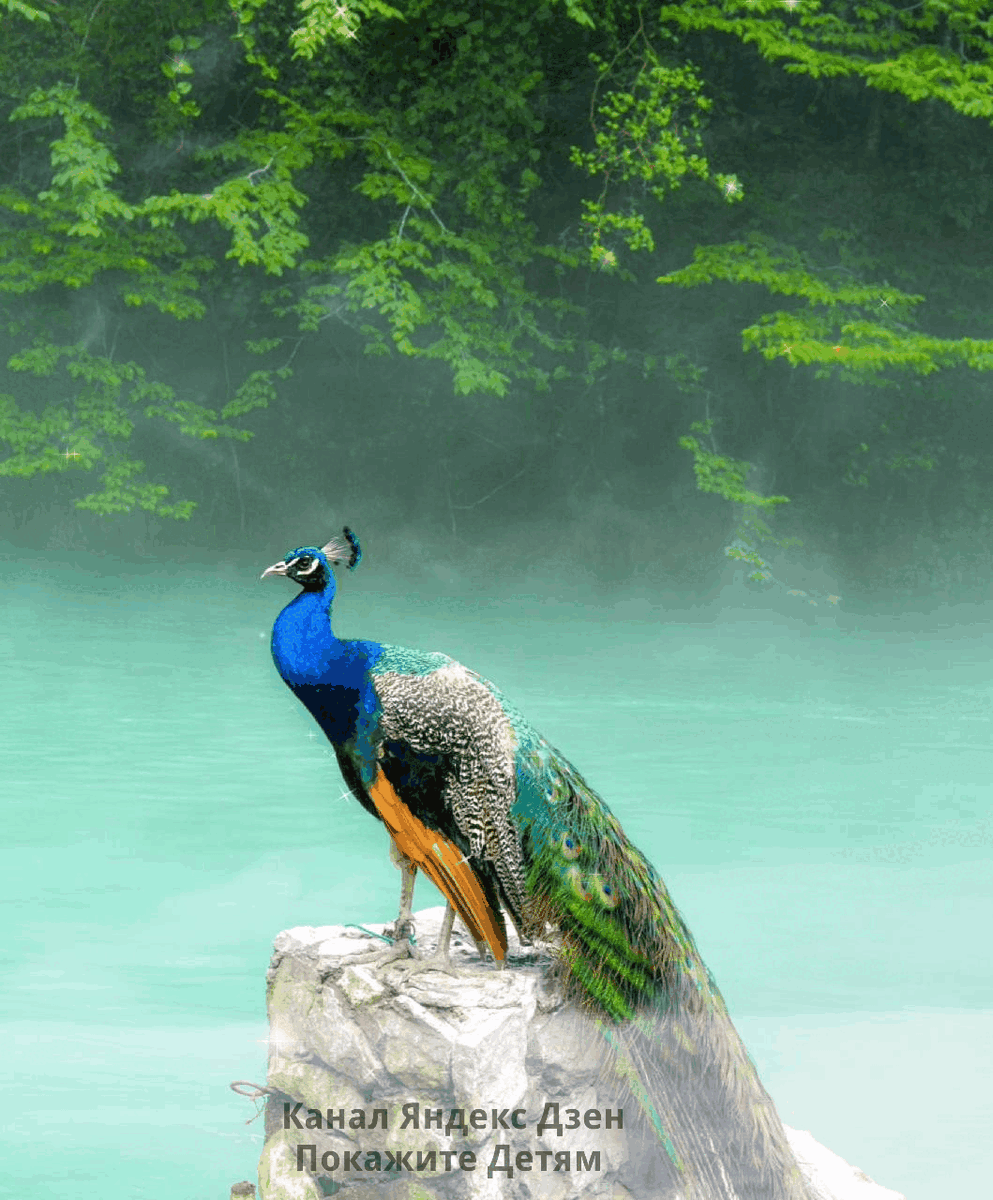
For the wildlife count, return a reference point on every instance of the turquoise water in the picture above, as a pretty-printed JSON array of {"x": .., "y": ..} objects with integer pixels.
[{"x": 817, "y": 797}]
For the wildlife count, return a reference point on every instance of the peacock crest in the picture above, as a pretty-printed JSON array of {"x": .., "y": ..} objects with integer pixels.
[{"x": 344, "y": 549}]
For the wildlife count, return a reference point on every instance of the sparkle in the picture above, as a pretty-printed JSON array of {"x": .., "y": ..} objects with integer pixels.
[
  {"x": 437, "y": 849},
  {"x": 730, "y": 187},
  {"x": 70, "y": 454},
  {"x": 883, "y": 304},
  {"x": 343, "y": 13},
  {"x": 279, "y": 1040}
]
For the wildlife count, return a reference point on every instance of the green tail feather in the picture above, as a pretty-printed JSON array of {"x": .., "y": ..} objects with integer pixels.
[
  {"x": 629, "y": 960},
  {"x": 629, "y": 1074}
]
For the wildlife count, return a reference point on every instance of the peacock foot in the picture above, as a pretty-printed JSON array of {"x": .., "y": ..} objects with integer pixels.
[
  {"x": 438, "y": 961},
  {"x": 402, "y": 929},
  {"x": 431, "y": 962},
  {"x": 387, "y": 954}
]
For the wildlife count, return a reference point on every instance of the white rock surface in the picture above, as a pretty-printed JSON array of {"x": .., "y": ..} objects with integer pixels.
[
  {"x": 831, "y": 1177},
  {"x": 344, "y": 1035}
]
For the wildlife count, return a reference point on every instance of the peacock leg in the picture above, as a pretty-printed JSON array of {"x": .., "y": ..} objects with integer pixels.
[
  {"x": 439, "y": 960},
  {"x": 403, "y": 926},
  {"x": 402, "y": 929},
  {"x": 445, "y": 936}
]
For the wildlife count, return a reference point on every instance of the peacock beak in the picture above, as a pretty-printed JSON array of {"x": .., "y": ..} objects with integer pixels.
[{"x": 277, "y": 568}]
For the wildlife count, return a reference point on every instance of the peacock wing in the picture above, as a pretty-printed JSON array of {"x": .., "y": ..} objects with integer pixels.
[{"x": 448, "y": 750}]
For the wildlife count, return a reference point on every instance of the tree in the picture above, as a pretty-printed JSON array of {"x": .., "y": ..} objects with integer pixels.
[{"x": 405, "y": 168}]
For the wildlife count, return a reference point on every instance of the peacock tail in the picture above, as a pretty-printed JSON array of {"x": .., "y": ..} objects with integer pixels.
[
  {"x": 503, "y": 822},
  {"x": 558, "y": 860}
]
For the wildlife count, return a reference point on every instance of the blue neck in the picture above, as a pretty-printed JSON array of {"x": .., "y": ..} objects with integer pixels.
[
  {"x": 330, "y": 676},
  {"x": 303, "y": 646}
]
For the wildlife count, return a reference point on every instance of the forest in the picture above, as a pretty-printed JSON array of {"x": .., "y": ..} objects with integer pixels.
[{"x": 646, "y": 287}]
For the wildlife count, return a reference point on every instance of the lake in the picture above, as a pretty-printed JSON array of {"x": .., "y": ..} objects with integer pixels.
[{"x": 815, "y": 792}]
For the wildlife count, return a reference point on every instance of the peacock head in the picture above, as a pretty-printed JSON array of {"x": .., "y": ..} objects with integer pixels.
[{"x": 311, "y": 568}]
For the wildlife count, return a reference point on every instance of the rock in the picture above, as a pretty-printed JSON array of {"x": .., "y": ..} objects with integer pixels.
[
  {"x": 498, "y": 1045},
  {"x": 830, "y": 1176}
]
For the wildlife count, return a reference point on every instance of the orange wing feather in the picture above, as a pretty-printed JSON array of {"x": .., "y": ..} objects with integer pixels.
[{"x": 442, "y": 862}]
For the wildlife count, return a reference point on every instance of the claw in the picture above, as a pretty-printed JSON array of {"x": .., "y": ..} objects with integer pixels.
[
  {"x": 439, "y": 960},
  {"x": 417, "y": 966},
  {"x": 389, "y": 954}
]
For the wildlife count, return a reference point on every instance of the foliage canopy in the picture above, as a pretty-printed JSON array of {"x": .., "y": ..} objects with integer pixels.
[{"x": 449, "y": 181}]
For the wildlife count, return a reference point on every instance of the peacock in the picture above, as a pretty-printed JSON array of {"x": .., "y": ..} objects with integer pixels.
[{"x": 501, "y": 821}]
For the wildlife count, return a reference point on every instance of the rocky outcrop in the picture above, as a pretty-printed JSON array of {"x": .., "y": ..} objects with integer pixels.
[{"x": 392, "y": 1088}]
